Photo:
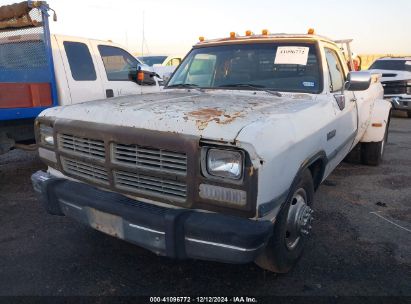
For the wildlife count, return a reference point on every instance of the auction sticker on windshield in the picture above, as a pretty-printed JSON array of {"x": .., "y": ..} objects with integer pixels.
[{"x": 292, "y": 55}]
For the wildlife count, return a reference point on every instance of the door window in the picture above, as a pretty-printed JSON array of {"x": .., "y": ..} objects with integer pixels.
[
  {"x": 119, "y": 64},
  {"x": 336, "y": 74},
  {"x": 80, "y": 61}
]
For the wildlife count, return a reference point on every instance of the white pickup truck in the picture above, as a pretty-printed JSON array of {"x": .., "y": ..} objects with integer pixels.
[
  {"x": 223, "y": 164},
  {"x": 39, "y": 70},
  {"x": 396, "y": 80}
]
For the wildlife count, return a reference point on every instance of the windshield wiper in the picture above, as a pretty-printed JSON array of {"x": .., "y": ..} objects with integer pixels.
[
  {"x": 185, "y": 86},
  {"x": 242, "y": 85},
  {"x": 252, "y": 86}
]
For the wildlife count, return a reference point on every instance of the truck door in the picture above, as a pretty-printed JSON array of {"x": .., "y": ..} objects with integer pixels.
[
  {"x": 80, "y": 68},
  {"x": 342, "y": 131},
  {"x": 119, "y": 71}
]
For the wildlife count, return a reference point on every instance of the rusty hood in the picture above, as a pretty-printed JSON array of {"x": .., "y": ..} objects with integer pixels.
[{"x": 219, "y": 115}]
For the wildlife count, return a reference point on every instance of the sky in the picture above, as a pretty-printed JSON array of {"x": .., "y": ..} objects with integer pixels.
[{"x": 173, "y": 26}]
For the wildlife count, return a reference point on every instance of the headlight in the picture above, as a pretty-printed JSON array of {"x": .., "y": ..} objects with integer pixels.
[
  {"x": 46, "y": 135},
  {"x": 225, "y": 163}
]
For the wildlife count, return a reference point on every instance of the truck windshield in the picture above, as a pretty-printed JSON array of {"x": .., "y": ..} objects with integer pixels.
[
  {"x": 287, "y": 67},
  {"x": 393, "y": 65}
]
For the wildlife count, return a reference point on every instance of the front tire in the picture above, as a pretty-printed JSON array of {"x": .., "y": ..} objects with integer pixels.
[{"x": 291, "y": 228}]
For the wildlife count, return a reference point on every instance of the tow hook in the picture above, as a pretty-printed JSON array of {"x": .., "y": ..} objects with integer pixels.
[{"x": 396, "y": 101}]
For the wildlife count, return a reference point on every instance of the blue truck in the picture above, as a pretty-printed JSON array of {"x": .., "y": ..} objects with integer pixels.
[
  {"x": 27, "y": 80},
  {"x": 40, "y": 70}
]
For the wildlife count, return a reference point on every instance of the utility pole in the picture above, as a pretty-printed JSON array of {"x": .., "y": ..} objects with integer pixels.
[{"x": 143, "y": 39}]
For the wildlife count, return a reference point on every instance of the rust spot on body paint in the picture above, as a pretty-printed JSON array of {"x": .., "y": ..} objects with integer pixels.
[
  {"x": 231, "y": 118},
  {"x": 205, "y": 116}
]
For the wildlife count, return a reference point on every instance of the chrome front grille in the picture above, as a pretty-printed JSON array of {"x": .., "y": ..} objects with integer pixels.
[
  {"x": 82, "y": 146},
  {"x": 134, "y": 156},
  {"x": 151, "y": 185},
  {"x": 85, "y": 170}
]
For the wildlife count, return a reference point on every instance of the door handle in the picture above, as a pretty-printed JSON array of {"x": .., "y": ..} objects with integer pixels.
[{"x": 109, "y": 93}]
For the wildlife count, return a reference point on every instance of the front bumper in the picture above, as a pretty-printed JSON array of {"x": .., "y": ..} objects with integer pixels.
[
  {"x": 177, "y": 233},
  {"x": 400, "y": 102}
]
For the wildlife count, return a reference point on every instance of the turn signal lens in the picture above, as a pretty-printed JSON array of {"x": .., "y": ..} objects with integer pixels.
[
  {"x": 48, "y": 155},
  {"x": 226, "y": 195},
  {"x": 140, "y": 75}
]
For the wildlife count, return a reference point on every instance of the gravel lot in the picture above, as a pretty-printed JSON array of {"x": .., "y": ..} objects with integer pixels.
[{"x": 361, "y": 243}]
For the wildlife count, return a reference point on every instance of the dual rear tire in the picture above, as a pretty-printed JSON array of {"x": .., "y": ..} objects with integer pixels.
[{"x": 372, "y": 153}]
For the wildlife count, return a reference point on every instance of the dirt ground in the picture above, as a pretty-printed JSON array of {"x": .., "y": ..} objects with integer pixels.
[{"x": 361, "y": 242}]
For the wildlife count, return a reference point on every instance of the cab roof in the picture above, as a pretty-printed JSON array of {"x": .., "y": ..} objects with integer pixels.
[
  {"x": 264, "y": 36},
  {"x": 395, "y": 58}
]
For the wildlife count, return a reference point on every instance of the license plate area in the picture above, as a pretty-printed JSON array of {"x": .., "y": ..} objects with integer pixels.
[{"x": 105, "y": 222}]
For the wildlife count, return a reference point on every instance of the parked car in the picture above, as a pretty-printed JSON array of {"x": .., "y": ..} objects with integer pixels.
[
  {"x": 164, "y": 66},
  {"x": 39, "y": 70},
  {"x": 396, "y": 80},
  {"x": 223, "y": 163}
]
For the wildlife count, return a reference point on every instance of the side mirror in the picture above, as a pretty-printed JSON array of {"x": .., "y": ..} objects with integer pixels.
[
  {"x": 145, "y": 78},
  {"x": 358, "y": 81}
]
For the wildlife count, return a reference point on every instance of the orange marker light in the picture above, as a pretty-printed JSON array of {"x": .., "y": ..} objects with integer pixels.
[
  {"x": 140, "y": 75},
  {"x": 201, "y": 38},
  {"x": 311, "y": 31},
  {"x": 232, "y": 35},
  {"x": 377, "y": 125},
  {"x": 248, "y": 33},
  {"x": 265, "y": 32}
]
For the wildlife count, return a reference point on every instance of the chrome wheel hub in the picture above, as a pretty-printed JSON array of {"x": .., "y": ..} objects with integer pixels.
[{"x": 299, "y": 219}]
